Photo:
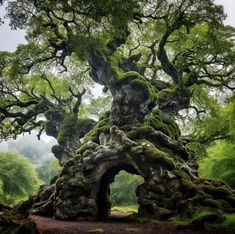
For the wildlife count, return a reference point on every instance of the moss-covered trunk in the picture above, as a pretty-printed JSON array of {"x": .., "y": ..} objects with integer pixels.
[{"x": 136, "y": 136}]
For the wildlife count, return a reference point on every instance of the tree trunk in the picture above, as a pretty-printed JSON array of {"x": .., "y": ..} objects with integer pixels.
[{"x": 137, "y": 137}]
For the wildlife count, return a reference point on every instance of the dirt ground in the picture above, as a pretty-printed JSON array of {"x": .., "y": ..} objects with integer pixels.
[{"x": 117, "y": 223}]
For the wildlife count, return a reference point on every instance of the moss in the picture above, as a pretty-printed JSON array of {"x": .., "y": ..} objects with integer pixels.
[
  {"x": 165, "y": 125},
  {"x": 198, "y": 222},
  {"x": 105, "y": 115},
  {"x": 182, "y": 174},
  {"x": 189, "y": 186},
  {"x": 50, "y": 128},
  {"x": 217, "y": 192},
  {"x": 138, "y": 82},
  {"x": 159, "y": 125},
  {"x": 68, "y": 129},
  {"x": 84, "y": 126},
  {"x": 57, "y": 150},
  {"x": 142, "y": 85},
  {"x": 227, "y": 224},
  {"x": 211, "y": 203},
  {"x": 86, "y": 153},
  {"x": 103, "y": 125},
  {"x": 224, "y": 204},
  {"x": 140, "y": 132},
  {"x": 231, "y": 200},
  {"x": 127, "y": 77},
  {"x": 163, "y": 213},
  {"x": 172, "y": 201},
  {"x": 159, "y": 157},
  {"x": 200, "y": 196}
]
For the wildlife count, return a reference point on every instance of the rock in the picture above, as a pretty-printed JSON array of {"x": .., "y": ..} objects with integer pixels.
[
  {"x": 13, "y": 221},
  {"x": 171, "y": 185}
]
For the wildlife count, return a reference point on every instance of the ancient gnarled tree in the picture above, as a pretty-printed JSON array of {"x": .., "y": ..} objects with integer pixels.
[{"x": 155, "y": 58}]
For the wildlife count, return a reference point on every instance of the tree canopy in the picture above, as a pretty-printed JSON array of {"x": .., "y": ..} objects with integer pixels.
[
  {"x": 178, "y": 48},
  {"x": 18, "y": 178}
]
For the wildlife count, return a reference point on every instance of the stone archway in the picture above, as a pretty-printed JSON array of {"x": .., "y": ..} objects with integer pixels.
[
  {"x": 103, "y": 195},
  {"x": 171, "y": 185}
]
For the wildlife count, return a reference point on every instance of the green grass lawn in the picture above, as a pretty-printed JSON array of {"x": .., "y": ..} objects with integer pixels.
[{"x": 126, "y": 208}]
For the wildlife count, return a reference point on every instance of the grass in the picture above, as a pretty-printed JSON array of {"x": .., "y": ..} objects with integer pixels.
[{"x": 126, "y": 208}]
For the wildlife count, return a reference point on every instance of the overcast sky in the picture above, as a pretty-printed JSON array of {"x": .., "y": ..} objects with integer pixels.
[{"x": 9, "y": 39}]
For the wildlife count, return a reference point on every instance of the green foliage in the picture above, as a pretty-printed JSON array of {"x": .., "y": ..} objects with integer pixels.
[
  {"x": 220, "y": 160},
  {"x": 18, "y": 179},
  {"x": 220, "y": 163},
  {"x": 48, "y": 169},
  {"x": 123, "y": 189},
  {"x": 95, "y": 108}
]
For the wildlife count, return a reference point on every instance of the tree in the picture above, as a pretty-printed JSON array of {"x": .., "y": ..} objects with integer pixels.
[
  {"x": 123, "y": 189},
  {"x": 155, "y": 58},
  {"x": 48, "y": 170},
  {"x": 33, "y": 149},
  {"x": 216, "y": 136},
  {"x": 18, "y": 179}
]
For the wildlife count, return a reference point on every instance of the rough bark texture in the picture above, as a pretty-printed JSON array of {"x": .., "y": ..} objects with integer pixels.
[{"x": 135, "y": 137}]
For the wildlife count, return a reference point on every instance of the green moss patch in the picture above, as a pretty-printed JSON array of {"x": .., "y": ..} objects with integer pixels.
[
  {"x": 140, "y": 132},
  {"x": 103, "y": 125},
  {"x": 68, "y": 129},
  {"x": 157, "y": 156}
]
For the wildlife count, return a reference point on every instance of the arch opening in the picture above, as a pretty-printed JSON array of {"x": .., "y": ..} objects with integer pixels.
[{"x": 104, "y": 202}]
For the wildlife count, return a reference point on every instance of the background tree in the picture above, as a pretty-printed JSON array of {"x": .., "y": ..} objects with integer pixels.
[
  {"x": 33, "y": 149},
  {"x": 48, "y": 169},
  {"x": 18, "y": 179},
  {"x": 214, "y": 135},
  {"x": 123, "y": 189}
]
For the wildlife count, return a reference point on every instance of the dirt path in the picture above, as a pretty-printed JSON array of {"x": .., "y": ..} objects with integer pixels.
[{"x": 117, "y": 223}]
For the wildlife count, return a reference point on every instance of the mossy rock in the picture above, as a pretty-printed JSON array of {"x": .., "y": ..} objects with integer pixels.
[
  {"x": 189, "y": 186},
  {"x": 103, "y": 125},
  {"x": 164, "y": 214},
  {"x": 211, "y": 203},
  {"x": 183, "y": 175},
  {"x": 198, "y": 223},
  {"x": 172, "y": 201},
  {"x": 158, "y": 157},
  {"x": 140, "y": 132},
  {"x": 216, "y": 192},
  {"x": 231, "y": 200}
]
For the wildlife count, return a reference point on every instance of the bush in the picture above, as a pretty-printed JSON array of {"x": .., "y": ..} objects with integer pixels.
[{"x": 18, "y": 178}]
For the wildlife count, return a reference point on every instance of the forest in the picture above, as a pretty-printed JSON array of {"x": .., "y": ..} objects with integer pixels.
[{"x": 156, "y": 145}]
